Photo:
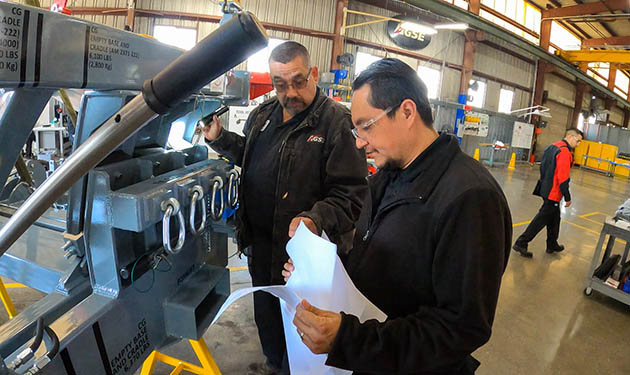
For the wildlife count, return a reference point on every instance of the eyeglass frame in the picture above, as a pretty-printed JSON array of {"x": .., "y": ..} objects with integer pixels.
[
  {"x": 577, "y": 137},
  {"x": 308, "y": 77},
  {"x": 370, "y": 122}
]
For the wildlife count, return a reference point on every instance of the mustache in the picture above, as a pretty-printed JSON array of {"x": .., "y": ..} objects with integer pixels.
[{"x": 292, "y": 101}]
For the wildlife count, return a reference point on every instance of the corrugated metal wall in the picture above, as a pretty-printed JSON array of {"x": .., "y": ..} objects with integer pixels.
[
  {"x": 560, "y": 90},
  {"x": 504, "y": 66},
  {"x": 556, "y": 126},
  {"x": 309, "y": 14},
  {"x": 616, "y": 116},
  {"x": 500, "y": 128},
  {"x": 449, "y": 44}
]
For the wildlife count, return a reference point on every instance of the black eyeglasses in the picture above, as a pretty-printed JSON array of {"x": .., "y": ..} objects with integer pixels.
[{"x": 298, "y": 83}]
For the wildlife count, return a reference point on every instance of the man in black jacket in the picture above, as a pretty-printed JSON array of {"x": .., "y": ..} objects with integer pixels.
[
  {"x": 430, "y": 248},
  {"x": 299, "y": 164}
]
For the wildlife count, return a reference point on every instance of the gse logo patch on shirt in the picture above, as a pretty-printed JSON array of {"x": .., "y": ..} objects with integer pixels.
[{"x": 316, "y": 138}]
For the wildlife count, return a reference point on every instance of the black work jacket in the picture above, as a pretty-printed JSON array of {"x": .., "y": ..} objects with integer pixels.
[
  {"x": 432, "y": 260},
  {"x": 322, "y": 175}
]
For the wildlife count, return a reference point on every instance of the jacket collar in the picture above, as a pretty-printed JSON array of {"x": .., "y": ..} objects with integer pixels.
[
  {"x": 567, "y": 143},
  {"x": 266, "y": 109},
  {"x": 424, "y": 173}
]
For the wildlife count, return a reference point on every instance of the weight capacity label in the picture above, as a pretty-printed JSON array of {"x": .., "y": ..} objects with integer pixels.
[
  {"x": 103, "y": 50},
  {"x": 51, "y": 50},
  {"x": 11, "y": 24}
]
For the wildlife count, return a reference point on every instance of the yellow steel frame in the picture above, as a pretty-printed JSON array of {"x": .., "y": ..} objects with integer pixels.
[
  {"x": 378, "y": 19},
  {"x": 6, "y": 301},
  {"x": 609, "y": 56},
  {"x": 208, "y": 365}
]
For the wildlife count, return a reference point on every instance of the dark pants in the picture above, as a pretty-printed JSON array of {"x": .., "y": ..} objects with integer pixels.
[
  {"x": 267, "y": 307},
  {"x": 548, "y": 216}
]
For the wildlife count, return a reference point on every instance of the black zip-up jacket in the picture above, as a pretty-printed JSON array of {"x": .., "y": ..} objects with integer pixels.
[
  {"x": 432, "y": 260},
  {"x": 322, "y": 175}
]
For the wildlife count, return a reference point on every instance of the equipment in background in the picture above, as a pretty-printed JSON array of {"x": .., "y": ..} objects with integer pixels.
[
  {"x": 609, "y": 272},
  {"x": 142, "y": 261}
]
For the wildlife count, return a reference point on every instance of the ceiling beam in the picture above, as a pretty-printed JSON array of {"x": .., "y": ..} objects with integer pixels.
[
  {"x": 434, "y": 60},
  {"x": 618, "y": 41},
  {"x": 460, "y": 15},
  {"x": 608, "y": 56},
  {"x": 586, "y": 8}
]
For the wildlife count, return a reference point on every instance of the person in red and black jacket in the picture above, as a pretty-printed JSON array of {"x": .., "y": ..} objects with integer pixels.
[{"x": 552, "y": 187}]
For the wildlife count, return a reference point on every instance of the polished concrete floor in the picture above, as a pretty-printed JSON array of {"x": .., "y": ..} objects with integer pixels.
[{"x": 544, "y": 323}]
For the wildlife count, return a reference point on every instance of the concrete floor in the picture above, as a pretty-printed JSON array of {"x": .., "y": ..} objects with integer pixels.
[{"x": 544, "y": 323}]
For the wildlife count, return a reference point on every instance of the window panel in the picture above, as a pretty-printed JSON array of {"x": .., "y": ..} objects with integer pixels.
[
  {"x": 505, "y": 100},
  {"x": 431, "y": 78},
  {"x": 181, "y": 37},
  {"x": 622, "y": 81},
  {"x": 476, "y": 93},
  {"x": 563, "y": 38},
  {"x": 363, "y": 61},
  {"x": 620, "y": 93},
  {"x": 532, "y": 18},
  {"x": 461, "y": 3},
  {"x": 259, "y": 62}
]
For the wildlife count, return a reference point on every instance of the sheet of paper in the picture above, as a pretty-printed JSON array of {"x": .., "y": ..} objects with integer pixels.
[{"x": 321, "y": 279}]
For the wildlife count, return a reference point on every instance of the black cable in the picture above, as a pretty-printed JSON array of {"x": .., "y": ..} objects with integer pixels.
[
  {"x": 38, "y": 335},
  {"x": 55, "y": 348}
]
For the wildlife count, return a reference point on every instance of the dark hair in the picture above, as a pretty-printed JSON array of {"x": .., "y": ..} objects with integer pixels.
[
  {"x": 288, "y": 51},
  {"x": 392, "y": 81},
  {"x": 575, "y": 131}
]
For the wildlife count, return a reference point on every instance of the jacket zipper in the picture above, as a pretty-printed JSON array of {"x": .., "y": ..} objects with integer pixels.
[{"x": 379, "y": 215}]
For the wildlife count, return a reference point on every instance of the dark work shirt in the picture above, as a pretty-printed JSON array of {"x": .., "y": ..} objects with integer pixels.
[
  {"x": 401, "y": 180},
  {"x": 261, "y": 173}
]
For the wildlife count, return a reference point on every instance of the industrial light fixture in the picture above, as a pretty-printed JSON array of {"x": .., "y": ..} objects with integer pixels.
[
  {"x": 538, "y": 110},
  {"x": 451, "y": 26},
  {"x": 419, "y": 28}
]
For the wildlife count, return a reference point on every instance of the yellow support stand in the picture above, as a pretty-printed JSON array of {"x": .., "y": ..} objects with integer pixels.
[
  {"x": 208, "y": 365},
  {"x": 6, "y": 301},
  {"x": 476, "y": 156},
  {"x": 512, "y": 165}
]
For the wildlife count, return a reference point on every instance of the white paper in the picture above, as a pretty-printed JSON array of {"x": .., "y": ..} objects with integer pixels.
[
  {"x": 321, "y": 279},
  {"x": 522, "y": 135}
]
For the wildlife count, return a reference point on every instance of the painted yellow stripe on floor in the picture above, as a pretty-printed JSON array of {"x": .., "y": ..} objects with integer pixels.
[
  {"x": 14, "y": 285},
  {"x": 581, "y": 227},
  {"x": 519, "y": 224},
  {"x": 591, "y": 214},
  {"x": 591, "y": 220},
  {"x": 241, "y": 268}
]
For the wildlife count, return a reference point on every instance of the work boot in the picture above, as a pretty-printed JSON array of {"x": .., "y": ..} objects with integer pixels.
[
  {"x": 554, "y": 248},
  {"x": 522, "y": 250}
]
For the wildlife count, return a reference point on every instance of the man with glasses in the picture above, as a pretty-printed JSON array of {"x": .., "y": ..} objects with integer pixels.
[
  {"x": 430, "y": 247},
  {"x": 299, "y": 164},
  {"x": 552, "y": 186}
]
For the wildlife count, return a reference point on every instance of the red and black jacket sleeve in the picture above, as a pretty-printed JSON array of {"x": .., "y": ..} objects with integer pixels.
[{"x": 564, "y": 159}]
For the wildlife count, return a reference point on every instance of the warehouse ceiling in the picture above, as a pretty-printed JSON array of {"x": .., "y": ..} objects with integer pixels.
[{"x": 600, "y": 24}]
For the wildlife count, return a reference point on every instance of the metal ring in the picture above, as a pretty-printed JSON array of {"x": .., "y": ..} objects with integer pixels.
[
  {"x": 233, "y": 188},
  {"x": 170, "y": 207},
  {"x": 217, "y": 188},
  {"x": 197, "y": 194}
]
